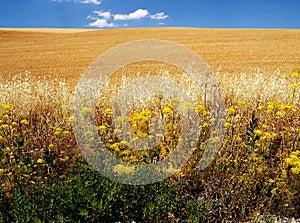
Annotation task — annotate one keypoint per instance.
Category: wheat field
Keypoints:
(67, 53)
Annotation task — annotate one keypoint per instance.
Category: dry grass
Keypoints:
(67, 54)
(254, 164)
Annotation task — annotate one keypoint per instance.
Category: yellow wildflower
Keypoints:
(123, 143)
(17, 134)
(231, 111)
(141, 134)
(239, 139)
(294, 161)
(260, 107)
(286, 106)
(284, 174)
(108, 111)
(24, 122)
(271, 181)
(258, 132)
(295, 85)
(145, 113)
(272, 105)
(200, 108)
(66, 132)
(163, 151)
(58, 131)
(14, 124)
(71, 118)
(4, 126)
(295, 170)
(268, 136)
(205, 125)
(6, 107)
(279, 113)
(40, 161)
(171, 126)
(294, 74)
(101, 127)
(115, 147)
(273, 191)
(227, 125)
(125, 152)
(167, 110)
(65, 159)
(2, 171)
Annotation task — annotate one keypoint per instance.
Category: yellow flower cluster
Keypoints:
(107, 111)
(24, 121)
(201, 109)
(71, 118)
(140, 122)
(267, 136)
(101, 127)
(294, 161)
(272, 105)
(231, 111)
(116, 147)
(167, 110)
(60, 131)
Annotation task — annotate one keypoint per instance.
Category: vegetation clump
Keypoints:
(44, 177)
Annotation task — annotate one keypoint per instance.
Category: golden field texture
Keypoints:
(67, 53)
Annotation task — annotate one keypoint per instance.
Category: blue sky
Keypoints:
(150, 13)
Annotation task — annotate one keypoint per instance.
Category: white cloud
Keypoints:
(101, 23)
(159, 16)
(138, 14)
(91, 17)
(95, 2)
(104, 15)
(102, 19)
